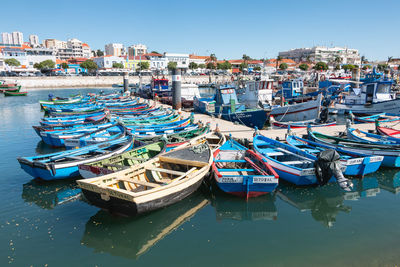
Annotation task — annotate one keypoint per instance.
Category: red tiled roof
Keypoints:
(198, 57)
(153, 55)
(85, 44)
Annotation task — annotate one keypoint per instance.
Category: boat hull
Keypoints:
(390, 106)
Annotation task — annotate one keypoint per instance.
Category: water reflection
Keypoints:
(389, 180)
(42, 148)
(366, 187)
(49, 195)
(132, 237)
(324, 202)
(235, 208)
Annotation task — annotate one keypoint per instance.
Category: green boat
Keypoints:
(7, 93)
(77, 99)
(10, 89)
(122, 161)
(133, 122)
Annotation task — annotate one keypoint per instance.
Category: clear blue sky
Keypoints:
(227, 28)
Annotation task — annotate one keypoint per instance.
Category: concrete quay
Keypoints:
(241, 131)
(101, 81)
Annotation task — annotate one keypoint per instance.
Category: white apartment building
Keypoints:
(157, 61)
(324, 54)
(18, 38)
(107, 62)
(28, 56)
(182, 60)
(114, 49)
(34, 40)
(6, 38)
(73, 48)
(137, 50)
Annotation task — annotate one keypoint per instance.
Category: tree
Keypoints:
(283, 66)
(220, 66)
(383, 67)
(243, 66)
(172, 65)
(202, 66)
(321, 66)
(257, 68)
(349, 67)
(89, 65)
(365, 67)
(303, 67)
(155, 52)
(45, 65)
(278, 58)
(117, 65)
(210, 66)
(246, 57)
(193, 65)
(99, 53)
(64, 65)
(144, 65)
(227, 65)
(12, 62)
(337, 67)
(338, 60)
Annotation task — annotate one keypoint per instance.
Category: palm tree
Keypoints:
(211, 59)
(278, 58)
(389, 59)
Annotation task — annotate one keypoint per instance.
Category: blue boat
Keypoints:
(242, 172)
(56, 138)
(291, 164)
(68, 119)
(116, 131)
(370, 138)
(391, 154)
(225, 105)
(356, 164)
(381, 117)
(62, 165)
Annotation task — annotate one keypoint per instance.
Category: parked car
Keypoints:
(38, 74)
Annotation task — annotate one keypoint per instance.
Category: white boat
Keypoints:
(256, 94)
(298, 112)
(373, 97)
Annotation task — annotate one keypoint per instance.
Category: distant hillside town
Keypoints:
(76, 57)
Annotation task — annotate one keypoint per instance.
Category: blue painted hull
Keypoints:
(241, 188)
(48, 175)
(254, 118)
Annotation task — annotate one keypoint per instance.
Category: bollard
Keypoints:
(176, 89)
(126, 82)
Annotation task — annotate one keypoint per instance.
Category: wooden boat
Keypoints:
(63, 101)
(65, 120)
(150, 121)
(390, 153)
(386, 131)
(356, 164)
(77, 113)
(152, 185)
(292, 165)
(370, 138)
(381, 117)
(301, 124)
(106, 134)
(146, 135)
(10, 93)
(226, 106)
(309, 110)
(242, 172)
(10, 89)
(122, 161)
(64, 164)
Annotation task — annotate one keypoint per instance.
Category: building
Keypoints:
(251, 64)
(6, 38)
(340, 55)
(73, 48)
(182, 60)
(290, 62)
(106, 62)
(113, 49)
(34, 40)
(137, 50)
(132, 62)
(26, 55)
(157, 61)
(198, 59)
(18, 38)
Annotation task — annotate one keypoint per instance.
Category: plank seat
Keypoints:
(236, 170)
(230, 160)
(134, 181)
(294, 162)
(178, 173)
(114, 165)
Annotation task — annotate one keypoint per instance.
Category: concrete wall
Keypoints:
(101, 81)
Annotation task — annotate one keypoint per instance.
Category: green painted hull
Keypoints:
(122, 161)
(133, 122)
(15, 93)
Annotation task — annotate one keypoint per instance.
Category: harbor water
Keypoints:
(50, 224)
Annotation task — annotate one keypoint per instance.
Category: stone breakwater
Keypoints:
(101, 81)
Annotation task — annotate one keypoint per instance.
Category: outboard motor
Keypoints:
(323, 116)
(328, 164)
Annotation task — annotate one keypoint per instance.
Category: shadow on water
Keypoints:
(236, 208)
(133, 237)
(390, 180)
(43, 148)
(48, 195)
